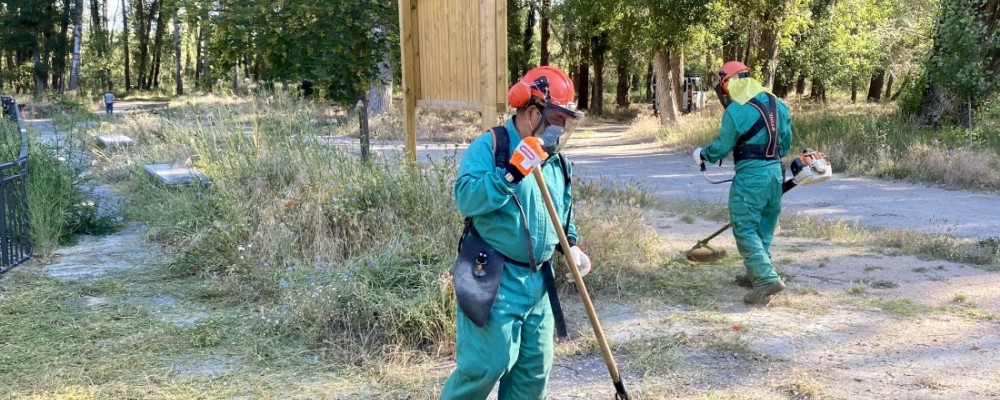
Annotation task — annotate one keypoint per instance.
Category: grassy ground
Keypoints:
(297, 275)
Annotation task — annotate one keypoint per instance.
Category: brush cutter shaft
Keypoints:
(712, 236)
(704, 173)
(609, 359)
(785, 187)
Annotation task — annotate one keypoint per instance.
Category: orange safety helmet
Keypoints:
(555, 88)
(729, 70)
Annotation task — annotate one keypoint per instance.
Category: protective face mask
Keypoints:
(550, 138)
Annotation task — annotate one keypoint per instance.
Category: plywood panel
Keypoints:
(454, 57)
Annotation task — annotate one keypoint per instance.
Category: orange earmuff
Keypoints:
(519, 95)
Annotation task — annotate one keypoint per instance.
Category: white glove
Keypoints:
(697, 156)
(581, 260)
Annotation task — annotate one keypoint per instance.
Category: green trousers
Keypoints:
(514, 347)
(754, 206)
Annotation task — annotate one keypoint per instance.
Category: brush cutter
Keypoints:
(609, 359)
(809, 168)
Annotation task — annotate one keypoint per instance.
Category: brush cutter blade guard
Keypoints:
(705, 253)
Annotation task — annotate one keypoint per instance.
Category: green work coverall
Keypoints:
(755, 195)
(515, 345)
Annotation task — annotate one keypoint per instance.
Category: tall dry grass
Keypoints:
(351, 257)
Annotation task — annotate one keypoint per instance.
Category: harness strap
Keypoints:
(769, 121)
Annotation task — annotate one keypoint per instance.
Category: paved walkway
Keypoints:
(870, 202)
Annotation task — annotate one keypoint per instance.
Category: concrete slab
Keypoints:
(177, 175)
(111, 140)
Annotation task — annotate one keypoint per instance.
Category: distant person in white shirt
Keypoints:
(109, 103)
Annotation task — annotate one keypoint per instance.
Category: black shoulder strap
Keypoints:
(769, 120)
(501, 146)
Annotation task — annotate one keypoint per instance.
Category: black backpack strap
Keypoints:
(501, 146)
(768, 120)
(501, 156)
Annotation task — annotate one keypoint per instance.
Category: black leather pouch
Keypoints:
(476, 274)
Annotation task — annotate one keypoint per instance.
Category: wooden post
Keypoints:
(500, 49)
(488, 60)
(411, 80)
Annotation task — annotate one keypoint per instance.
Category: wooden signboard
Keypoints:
(454, 57)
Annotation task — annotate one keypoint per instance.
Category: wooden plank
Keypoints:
(411, 79)
(450, 105)
(426, 42)
(488, 63)
(503, 81)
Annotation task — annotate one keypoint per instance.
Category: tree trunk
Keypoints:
(875, 88)
(529, 32)
(128, 76)
(902, 86)
(74, 69)
(145, 24)
(62, 44)
(888, 86)
(769, 41)
(599, 51)
(380, 92)
(677, 75)
(154, 76)
(142, 33)
(665, 84)
(206, 62)
(730, 46)
(800, 84)
(649, 82)
(97, 36)
(583, 78)
(934, 106)
(177, 57)
(781, 85)
(769, 57)
(624, 82)
(236, 78)
(750, 53)
(363, 131)
(854, 90)
(543, 44)
(39, 69)
(818, 90)
(198, 62)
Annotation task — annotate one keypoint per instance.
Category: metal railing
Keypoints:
(15, 232)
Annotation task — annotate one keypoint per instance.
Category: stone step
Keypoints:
(110, 140)
(177, 175)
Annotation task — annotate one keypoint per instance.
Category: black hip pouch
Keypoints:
(476, 274)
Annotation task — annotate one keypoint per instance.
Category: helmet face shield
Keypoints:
(562, 121)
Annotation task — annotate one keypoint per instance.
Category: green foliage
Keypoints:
(57, 206)
(967, 50)
(334, 44)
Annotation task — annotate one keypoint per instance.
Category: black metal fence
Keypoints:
(15, 235)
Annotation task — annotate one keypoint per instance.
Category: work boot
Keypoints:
(761, 295)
